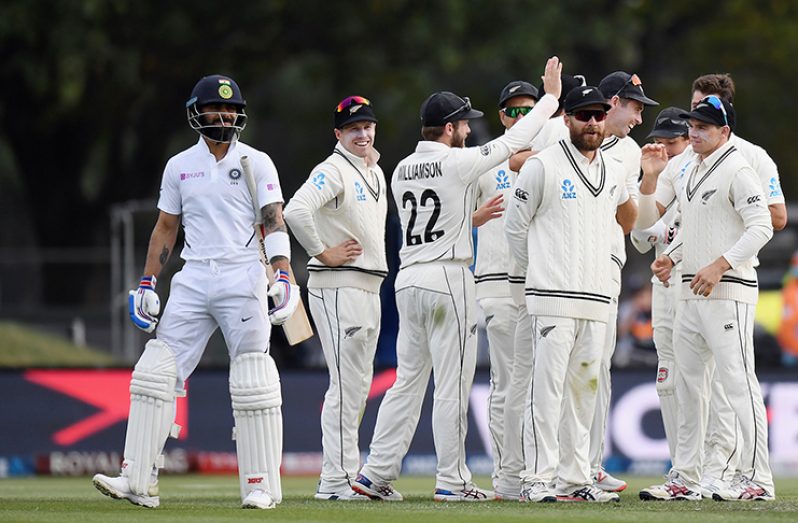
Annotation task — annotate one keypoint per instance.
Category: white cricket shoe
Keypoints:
(590, 494)
(119, 488)
(673, 489)
(743, 490)
(345, 494)
(382, 491)
(537, 493)
(504, 495)
(607, 482)
(710, 487)
(258, 499)
(470, 493)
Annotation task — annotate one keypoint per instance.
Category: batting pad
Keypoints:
(256, 398)
(152, 412)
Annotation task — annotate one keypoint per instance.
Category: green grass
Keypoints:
(197, 499)
(24, 347)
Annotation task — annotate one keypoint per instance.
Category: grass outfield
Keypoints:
(196, 499)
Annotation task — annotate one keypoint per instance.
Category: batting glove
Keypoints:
(144, 305)
(285, 296)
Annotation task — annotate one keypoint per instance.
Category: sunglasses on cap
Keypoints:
(350, 101)
(515, 112)
(464, 108)
(633, 80)
(715, 102)
(585, 116)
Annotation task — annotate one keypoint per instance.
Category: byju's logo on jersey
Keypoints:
(318, 180)
(502, 180)
(775, 187)
(568, 190)
(360, 193)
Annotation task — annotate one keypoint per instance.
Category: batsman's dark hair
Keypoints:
(720, 84)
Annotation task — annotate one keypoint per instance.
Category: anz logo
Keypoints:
(502, 180)
(360, 193)
(775, 187)
(568, 190)
(318, 180)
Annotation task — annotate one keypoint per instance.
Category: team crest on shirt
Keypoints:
(568, 190)
(234, 175)
(318, 180)
(612, 191)
(485, 150)
(360, 193)
(502, 180)
(707, 195)
(775, 187)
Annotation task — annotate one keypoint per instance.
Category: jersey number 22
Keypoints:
(430, 235)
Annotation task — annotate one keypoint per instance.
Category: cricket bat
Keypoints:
(297, 328)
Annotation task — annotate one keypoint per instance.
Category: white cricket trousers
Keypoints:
(663, 313)
(598, 427)
(437, 333)
(721, 331)
(347, 320)
(208, 294)
(562, 395)
(508, 477)
(501, 319)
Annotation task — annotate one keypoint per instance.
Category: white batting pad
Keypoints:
(256, 398)
(152, 411)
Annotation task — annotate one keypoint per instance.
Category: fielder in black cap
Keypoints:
(353, 109)
(625, 92)
(670, 130)
(444, 107)
(712, 110)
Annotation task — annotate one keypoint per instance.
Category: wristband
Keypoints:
(277, 244)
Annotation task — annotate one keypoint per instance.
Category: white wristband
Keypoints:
(277, 244)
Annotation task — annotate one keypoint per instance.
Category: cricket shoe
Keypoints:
(119, 488)
(590, 494)
(710, 487)
(345, 494)
(538, 493)
(608, 483)
(470, 493)
(503, 495)
(384, 491)
(743, 490)
(672, 490)
(258, 499)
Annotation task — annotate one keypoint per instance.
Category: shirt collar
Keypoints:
(720, 151)
(430, 145)
(581, 159)
(203, 145)
(369, 161)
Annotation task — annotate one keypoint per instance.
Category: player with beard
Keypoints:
(434, 190)
(566, 203)
(624, 92)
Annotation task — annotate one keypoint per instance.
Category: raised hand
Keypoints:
(552, 82)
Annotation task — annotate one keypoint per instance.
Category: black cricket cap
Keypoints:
(625, 85)
(584, 97)
(669, 124)
(712, 110)
(443, 107)
(517, 88)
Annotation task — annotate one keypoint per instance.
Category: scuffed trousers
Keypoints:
(562, 395)
(437, 333)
